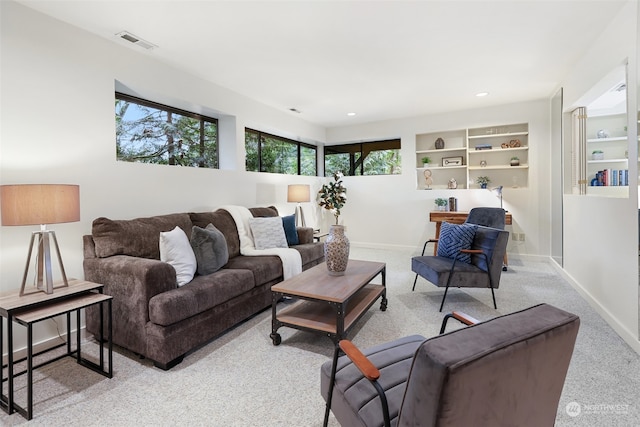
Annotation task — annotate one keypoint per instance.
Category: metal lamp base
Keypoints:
(44, 281)
(300, 217)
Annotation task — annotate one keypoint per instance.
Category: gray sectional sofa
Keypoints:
(151, 315)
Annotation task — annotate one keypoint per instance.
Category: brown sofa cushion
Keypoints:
(265, 268)
(138, 237)
(201, 294)
(310, 252)
(264, 212)
(223, 221)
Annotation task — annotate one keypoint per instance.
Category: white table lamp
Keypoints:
(299, 193)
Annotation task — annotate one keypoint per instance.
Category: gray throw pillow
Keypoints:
(210, 248)
(268, 233)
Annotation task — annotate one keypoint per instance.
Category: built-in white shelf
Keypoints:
(460, 146)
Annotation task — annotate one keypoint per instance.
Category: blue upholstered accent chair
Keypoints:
(488, 217)
(487, 253)
(508, 371)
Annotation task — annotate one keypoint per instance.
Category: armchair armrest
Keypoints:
(368, 370)
(426, 243)
(363, 364)
(472, 251)
(460, 317)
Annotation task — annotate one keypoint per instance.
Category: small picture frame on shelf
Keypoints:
(451, 161)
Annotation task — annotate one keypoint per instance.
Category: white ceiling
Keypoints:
(379, 59)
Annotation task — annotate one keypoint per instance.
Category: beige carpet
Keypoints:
(241, 379)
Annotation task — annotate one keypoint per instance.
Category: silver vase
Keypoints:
(336, 250)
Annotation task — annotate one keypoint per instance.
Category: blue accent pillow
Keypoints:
(289, 224)
(455, 237)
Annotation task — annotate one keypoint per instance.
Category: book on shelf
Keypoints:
(611, 178)
(484, 147)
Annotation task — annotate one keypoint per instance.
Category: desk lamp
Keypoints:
(299, 193)
(31, 204)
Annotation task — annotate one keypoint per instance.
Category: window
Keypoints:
(147, 132)
(275, 154)
(368, 158)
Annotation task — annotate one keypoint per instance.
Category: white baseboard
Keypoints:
(44, 345)
(630, 337)
(368, 245)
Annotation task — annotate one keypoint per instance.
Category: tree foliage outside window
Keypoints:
(147, 132)
(275, 154)
(368, 158)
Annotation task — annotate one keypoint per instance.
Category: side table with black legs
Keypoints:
(35, 307)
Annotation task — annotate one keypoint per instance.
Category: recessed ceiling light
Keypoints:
(481, 94)
(351, 114)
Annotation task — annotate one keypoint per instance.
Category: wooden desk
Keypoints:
(457, 218)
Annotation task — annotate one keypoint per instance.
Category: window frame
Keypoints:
(174, 110)
(260, 135)
(358, 148)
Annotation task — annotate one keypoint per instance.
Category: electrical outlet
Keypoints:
(514, 237)
(522, 237)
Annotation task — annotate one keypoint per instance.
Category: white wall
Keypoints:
(389, 210)
(601, 233)
(57, 120)
(58, 126)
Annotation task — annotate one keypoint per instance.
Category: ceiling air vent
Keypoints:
(125, 35)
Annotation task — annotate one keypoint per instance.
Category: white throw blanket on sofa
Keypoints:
(291, 259)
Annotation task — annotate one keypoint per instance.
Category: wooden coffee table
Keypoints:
(329, 305)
